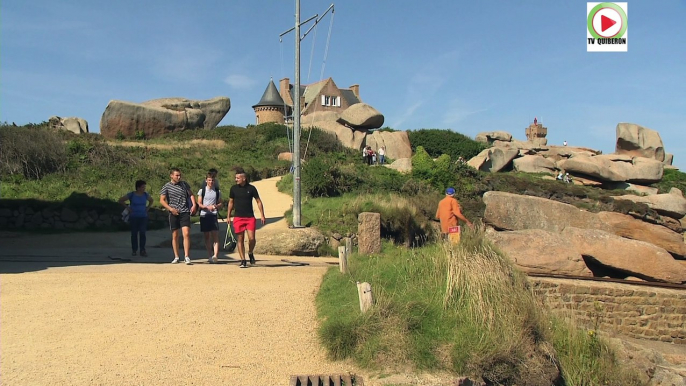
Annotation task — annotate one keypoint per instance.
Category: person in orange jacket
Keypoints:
(449, 212)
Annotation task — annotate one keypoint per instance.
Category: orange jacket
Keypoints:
(448, 209)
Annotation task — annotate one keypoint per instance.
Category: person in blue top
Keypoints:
(139, 203)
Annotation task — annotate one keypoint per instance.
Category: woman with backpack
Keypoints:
(138, 206)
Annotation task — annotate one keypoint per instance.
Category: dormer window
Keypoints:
(331, 101)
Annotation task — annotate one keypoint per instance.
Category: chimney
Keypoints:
(284, 90)
(356, 90)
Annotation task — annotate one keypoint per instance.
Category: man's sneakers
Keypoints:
(252, 258)
(244, 264)
(212, 260)
(186, 259)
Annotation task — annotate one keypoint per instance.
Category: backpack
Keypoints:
(202, 194)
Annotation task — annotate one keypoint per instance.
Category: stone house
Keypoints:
(277, 105)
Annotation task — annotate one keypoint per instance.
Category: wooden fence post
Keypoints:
(342, 259)
(364, 293)
(348, 246)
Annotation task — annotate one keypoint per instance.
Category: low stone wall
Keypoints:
(18, 215)
(630, 310)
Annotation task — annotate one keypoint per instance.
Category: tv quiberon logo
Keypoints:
(607, 27)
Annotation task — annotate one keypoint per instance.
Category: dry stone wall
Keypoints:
(635, 311)
(33, 215)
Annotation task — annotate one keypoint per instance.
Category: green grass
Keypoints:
(462, 309)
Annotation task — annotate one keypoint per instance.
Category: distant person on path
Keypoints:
(564, 143)
(449, 212)
(370, 156)
(138, 206)
(176, 196)
(209, 199)
(382, 155)
(240, 198)
(560, 176)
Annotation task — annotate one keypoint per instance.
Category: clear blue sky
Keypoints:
(466, 66)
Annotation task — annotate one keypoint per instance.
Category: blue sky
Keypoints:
(464, 66)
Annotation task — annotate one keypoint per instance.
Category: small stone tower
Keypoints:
(271, 108)
(536, 133)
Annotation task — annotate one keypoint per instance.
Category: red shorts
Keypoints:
(241, 224)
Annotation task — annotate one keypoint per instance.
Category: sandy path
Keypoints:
(71, 316)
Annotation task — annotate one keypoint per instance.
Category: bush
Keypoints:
(321, 177)
(672, 179)
(422, 165)
(436, 142)
(31, 152)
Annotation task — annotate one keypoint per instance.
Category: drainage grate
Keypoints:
(326, 380)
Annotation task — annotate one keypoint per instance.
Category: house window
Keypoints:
(331, 100)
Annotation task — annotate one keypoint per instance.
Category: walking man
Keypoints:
(209, 199)
(177, 198)
(449, 212)
(240, 198)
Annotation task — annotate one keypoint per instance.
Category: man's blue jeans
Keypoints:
(138, 227)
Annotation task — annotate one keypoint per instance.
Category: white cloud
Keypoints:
(456, 111)
(239, 81)
(407, 114)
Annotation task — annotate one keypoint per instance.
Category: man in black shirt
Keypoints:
(240, 198)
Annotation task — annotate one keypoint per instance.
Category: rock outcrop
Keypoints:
(351, 128)
(74, 124)
(552, 252)
(397, 143)
(640, 158)
(616, 241)
(291, 242)
(672, 204)
(361, 116)
(638, 141)
(613, 168)
(645, 260)
(160, 116)
(533, 164)
(403, 165)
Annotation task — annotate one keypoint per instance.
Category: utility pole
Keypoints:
(296, 110)
(296, 124)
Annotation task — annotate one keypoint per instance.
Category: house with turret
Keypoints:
(277, 105)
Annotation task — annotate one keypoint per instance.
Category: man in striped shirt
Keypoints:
(177, 198)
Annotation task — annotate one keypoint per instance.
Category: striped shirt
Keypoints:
(177, 196)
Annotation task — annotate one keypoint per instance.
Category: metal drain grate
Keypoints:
(326, 380)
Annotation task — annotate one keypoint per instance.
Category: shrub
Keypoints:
(422, 165)
(317, 142)
(672, 179)
(321, 177)
(31, 152)
(437, 142)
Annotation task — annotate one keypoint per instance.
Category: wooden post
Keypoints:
(342, 260)
(348, 246)
(364, 293)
